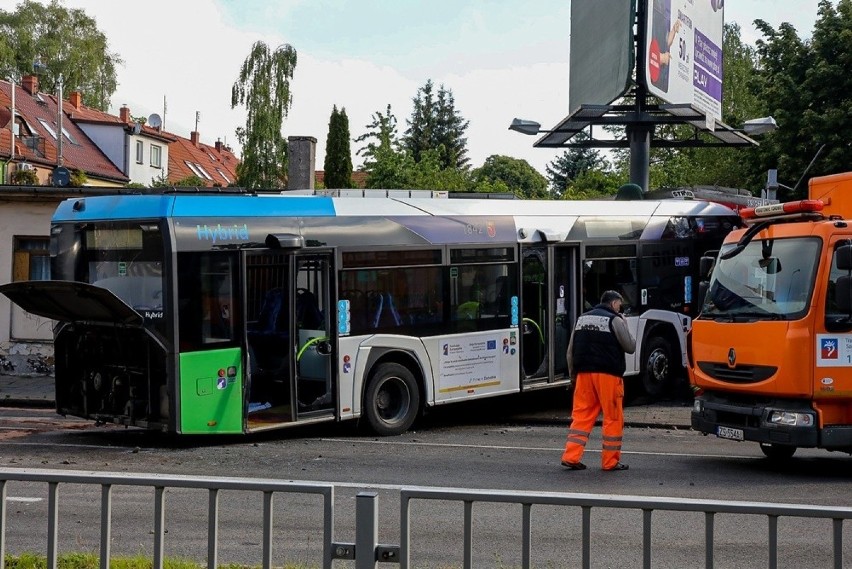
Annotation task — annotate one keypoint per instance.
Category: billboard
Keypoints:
(602, 51)
(683, 53)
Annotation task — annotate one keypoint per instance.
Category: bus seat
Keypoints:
(270, 320)
(308, 314)
(384, 311)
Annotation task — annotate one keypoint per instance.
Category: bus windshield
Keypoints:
(770, 279)
(124, 258)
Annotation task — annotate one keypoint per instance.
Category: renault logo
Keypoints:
(732, 357)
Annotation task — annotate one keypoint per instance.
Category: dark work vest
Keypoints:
(596, 349)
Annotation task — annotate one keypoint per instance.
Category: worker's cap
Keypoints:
(610, 295)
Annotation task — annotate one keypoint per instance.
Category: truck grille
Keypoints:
(738, 374)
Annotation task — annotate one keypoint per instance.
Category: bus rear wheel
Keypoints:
(392, 399)
(777, 452)
(657, 367)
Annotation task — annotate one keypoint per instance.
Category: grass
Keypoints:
(92, 561)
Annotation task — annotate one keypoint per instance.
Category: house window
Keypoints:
(221, 173)
(31, 261)
(203, 171)
(47, 127)
(194, 168)
(156, 156)
(139, 151)
(68, 136)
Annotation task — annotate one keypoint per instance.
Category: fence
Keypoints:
(366, 552)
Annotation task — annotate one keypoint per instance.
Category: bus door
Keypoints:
(287, 323)
(314, 364)
(550, 297)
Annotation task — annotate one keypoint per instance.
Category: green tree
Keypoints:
(593, 185)
(263, 87)
(806, 86)
(437, 125)
(66, 42)
(338, 156)
(381, 136)
(573, 162)
(516, 174)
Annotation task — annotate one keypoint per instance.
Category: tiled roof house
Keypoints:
(37, 120)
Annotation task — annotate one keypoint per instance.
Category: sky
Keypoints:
(500, 58)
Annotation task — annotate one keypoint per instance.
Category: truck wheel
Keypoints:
(392, 399)
(657, 367)
(777, 452)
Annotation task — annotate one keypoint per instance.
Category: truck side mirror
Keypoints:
(843, 294)
(843, 256)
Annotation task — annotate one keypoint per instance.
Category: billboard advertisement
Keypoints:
(602, 51)
(683, 53)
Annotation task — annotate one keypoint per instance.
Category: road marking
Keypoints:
(535, 449)
(22, 499)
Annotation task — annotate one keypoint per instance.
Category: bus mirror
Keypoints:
(705, 267)
(843, 254)
(284, 241)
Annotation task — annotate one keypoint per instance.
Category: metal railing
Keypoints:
(366, 551)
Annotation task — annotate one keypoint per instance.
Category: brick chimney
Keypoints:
(30, 84)
(193, 137)
(124, 113)
(76, 99)
(302, 162)
(219, 145)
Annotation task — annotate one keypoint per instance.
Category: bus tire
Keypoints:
(777, 452)
(657, 368)
(392, 399)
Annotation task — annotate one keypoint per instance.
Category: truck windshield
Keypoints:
(770, 279)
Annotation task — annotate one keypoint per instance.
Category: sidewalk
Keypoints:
(26, 391)
(37, 391)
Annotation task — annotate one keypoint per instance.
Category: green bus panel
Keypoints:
(211, 392)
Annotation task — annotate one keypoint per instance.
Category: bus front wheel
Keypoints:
(392, 400)
(657, 367)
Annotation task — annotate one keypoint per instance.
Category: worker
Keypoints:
(596, 364)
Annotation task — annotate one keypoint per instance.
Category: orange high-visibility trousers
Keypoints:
(593, 393)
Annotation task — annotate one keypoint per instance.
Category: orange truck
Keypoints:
(770, 354)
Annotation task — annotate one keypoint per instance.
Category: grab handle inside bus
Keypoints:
(323, 346)
(529, 324)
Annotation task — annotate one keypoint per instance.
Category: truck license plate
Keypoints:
(729, 433)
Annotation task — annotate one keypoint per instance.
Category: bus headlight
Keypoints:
(791, 419)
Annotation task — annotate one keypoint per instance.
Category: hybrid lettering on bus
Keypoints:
(235, 313)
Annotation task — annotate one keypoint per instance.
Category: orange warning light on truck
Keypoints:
(770, 354)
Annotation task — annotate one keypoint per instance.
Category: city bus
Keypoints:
(242, 312)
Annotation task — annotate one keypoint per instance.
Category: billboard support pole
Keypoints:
(638, 132)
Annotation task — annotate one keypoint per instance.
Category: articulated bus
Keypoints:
(237, 313)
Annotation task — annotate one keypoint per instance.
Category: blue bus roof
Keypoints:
(128, 207)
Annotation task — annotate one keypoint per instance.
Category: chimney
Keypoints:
(124, 114)
(193, 137)
(76, 99)
(30, 84)
(219, 145)
(302, 162)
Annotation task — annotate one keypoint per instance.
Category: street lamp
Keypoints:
(526, 127)
(762, 125)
